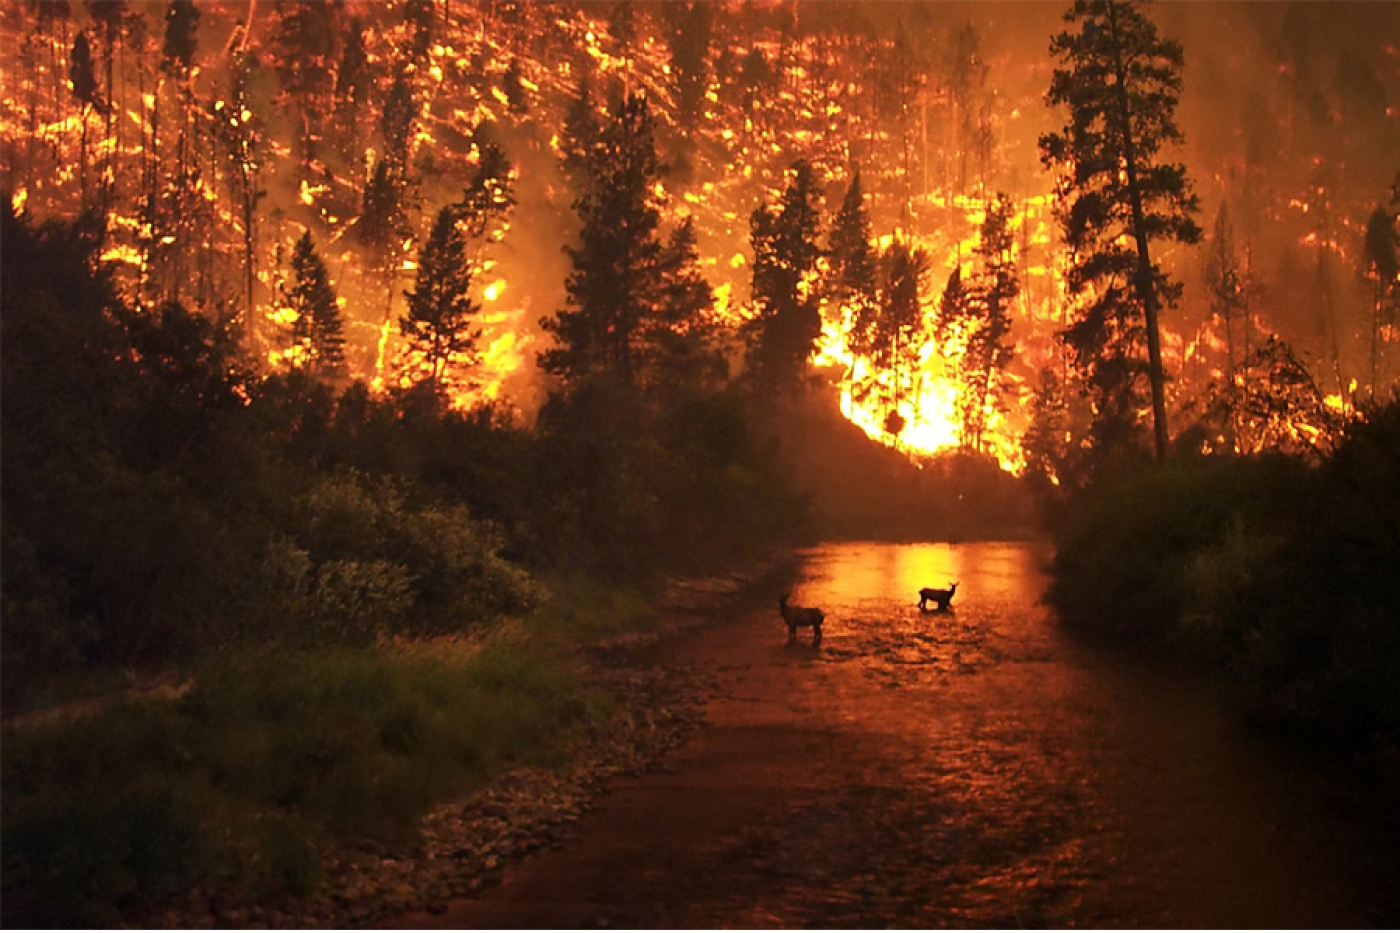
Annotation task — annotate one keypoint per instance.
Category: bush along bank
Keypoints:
(1280, 572)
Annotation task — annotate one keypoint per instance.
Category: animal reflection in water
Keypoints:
(941, 599)
(798, 617)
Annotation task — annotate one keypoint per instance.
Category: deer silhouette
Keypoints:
(799, 617)
(941, 599)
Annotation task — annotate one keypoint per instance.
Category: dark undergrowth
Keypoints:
(1281, 573)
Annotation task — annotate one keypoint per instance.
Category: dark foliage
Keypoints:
(1120, 82)
(163, 503)
(787, 322)
(1280, 572)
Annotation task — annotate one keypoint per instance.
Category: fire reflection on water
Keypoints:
(985, 769)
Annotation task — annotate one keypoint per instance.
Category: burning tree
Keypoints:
(1280, 407)
(236, 128)
(319, 344)
(897, 333)
(438, 324)
(977, 318)
(1120, 82)
(83, 78)
(1229, 286)
(851, 283)
(681, 356)
(1383, 272)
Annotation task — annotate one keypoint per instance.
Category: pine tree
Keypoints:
(1120, 82)
(1228, 285)
(181, 37)
(486, 198)
(317, 325)
(83, 78)
(381, 222)
(682, 358)
(172, 203)
(615, 280)
(421, 16)
(580, 136)
(353, 82)
(438, 323)
(690, 47)
(974, 320)
(851, 259)
(787, 322)
(306, 41)
(965, 74)
(381, 212)
(108, 15)
(396, 122)
(896, 339)
(513, 85)
(1046, 441)
(1383, 271)
(237, 128)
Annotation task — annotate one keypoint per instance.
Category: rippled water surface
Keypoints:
(969, 768)
(1002, 775)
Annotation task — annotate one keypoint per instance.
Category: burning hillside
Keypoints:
(203, 140)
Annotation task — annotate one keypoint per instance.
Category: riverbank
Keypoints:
(326, 797)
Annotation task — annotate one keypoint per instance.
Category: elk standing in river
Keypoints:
(800, 617)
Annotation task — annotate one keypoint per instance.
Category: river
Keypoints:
(970, 768)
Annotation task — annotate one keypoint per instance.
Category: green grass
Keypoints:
(583, 608)
(272, 755)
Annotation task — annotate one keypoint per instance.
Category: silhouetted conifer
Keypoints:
(1383, 271)
(318, 324)
(438, 324)
(896, 342)
(681, 353)
(181, 37)
(615, 281)
(787, 322)
(1120, 82)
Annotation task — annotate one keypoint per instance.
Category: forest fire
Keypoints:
(290, 143)
(369, 366)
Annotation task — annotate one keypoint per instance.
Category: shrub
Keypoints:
(1216, 615)
(1122, 561)
(356, 601)
(365, 562)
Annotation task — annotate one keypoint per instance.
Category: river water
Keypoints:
(970, 768)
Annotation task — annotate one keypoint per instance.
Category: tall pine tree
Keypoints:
(896, 339)
(317, 326)
(977, 315)
(851, 260)
(787, 320)
(615, 281)
(438, 323)
(1383, 272)
(1120, 82)
(682, 358)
